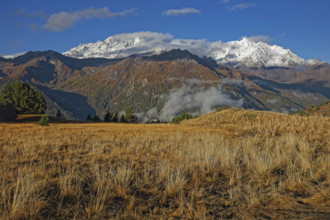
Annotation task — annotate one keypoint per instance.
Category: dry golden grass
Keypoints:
(229, 164)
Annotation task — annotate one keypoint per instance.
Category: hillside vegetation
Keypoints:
(323, 109)
(228, 164)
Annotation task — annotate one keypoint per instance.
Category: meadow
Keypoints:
(229, 164)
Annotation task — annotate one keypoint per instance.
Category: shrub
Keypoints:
(44, 121)
(222, 108)
(181, 117)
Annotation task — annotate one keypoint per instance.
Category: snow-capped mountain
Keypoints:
(246, 52)
(250, 53)
(12, 56)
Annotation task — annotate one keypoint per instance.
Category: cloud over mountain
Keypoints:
(196, 99)
(191, 97)
(260, 38)
(249, 51)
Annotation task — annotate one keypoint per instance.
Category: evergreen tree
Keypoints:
(122, 119)
(58, 113)
(23, 98)
(114, 117)
(107, 117)
(89, 117)
(96, 118)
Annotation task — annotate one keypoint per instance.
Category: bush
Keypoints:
(44, 121)
(181, 117)
(222, 108)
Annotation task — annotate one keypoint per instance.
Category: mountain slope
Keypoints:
(246, 52)
(158, 86)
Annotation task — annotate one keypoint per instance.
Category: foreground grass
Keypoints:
(229, 164)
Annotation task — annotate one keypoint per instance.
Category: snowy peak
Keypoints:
(250, 53)
(246, 52)
(121, 45)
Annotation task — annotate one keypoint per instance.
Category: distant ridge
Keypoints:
(180, 54)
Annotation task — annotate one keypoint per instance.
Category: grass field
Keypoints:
(228, 164)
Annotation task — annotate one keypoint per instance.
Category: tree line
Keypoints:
(127, 117)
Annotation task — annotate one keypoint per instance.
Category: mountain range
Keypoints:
(160, 82)
(247, 52)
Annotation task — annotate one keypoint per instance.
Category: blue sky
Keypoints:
(300, 25)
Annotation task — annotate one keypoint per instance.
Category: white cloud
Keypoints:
(260, 38)
(63, 20)
(272, 101)
(196, 99)
(192, 97)
(313, 61)
(183, 11)
(234, 81)
(241, 6)
(225, 1)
